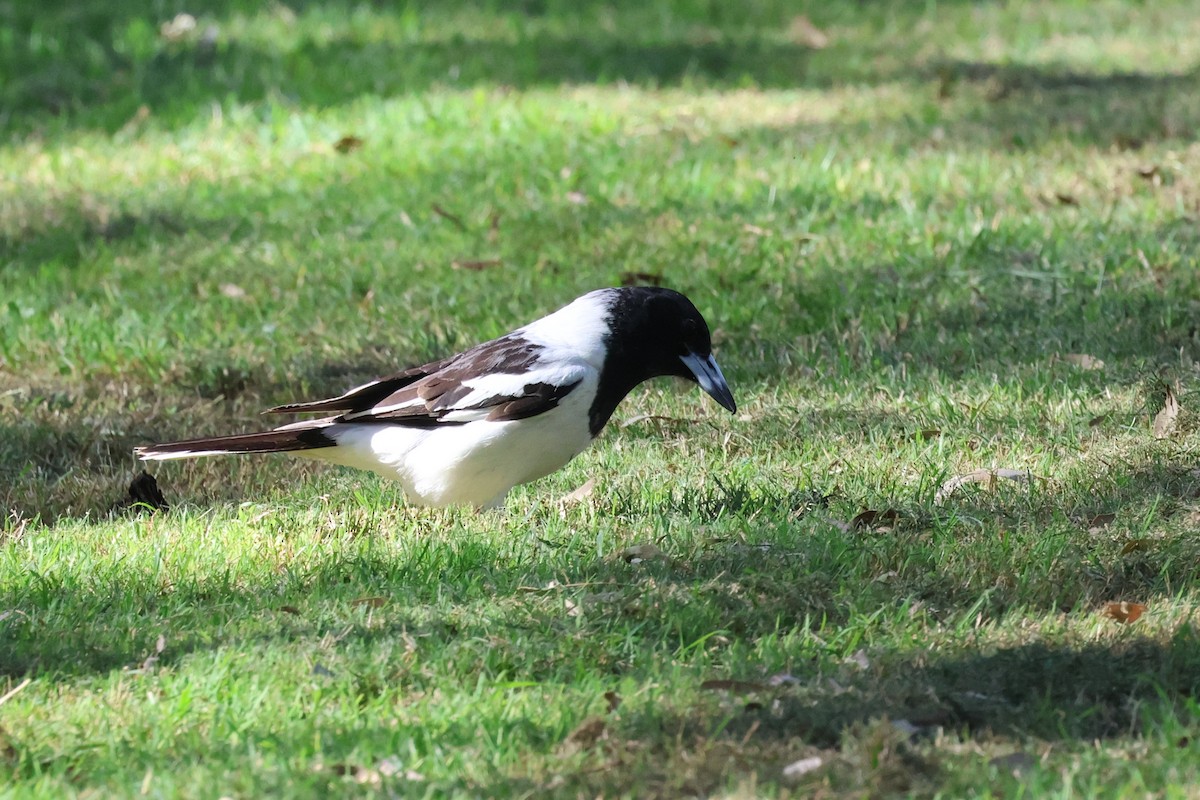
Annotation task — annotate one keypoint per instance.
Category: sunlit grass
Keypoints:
(906, 238)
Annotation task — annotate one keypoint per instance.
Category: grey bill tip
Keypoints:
(709, 376)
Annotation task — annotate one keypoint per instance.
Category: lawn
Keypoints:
(932, 238)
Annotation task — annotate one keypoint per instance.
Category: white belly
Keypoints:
(476, 463)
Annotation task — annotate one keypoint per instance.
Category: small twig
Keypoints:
(13, 692)
(444, 214)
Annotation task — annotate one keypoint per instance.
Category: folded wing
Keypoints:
(504, 379)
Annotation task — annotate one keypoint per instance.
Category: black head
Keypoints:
(656, 332)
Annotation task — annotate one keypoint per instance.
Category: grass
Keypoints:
(906, 235)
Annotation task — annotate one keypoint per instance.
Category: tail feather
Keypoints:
(284, 440)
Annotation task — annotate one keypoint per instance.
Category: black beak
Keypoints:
(709, 376)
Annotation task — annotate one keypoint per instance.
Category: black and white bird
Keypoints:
(467, 429)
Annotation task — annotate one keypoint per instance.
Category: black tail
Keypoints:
(283, 440)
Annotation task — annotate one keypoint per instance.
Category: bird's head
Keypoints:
(663, 332)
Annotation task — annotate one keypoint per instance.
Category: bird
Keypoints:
(465, 430)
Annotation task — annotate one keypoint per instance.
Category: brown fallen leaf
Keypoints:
(369, 602)
(729, 685)
(1168, 415)
(1123, 612)
(1083, 361)
(988, 476)
(637, 553)
(347, 144)
(1136, 546)
(641, 279)
(875, 520)
(478, 265)
(581, 493)
(590, 731)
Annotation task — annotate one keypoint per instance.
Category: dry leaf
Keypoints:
(641, 552)
(1083, 361)
(641, 279)
(369, 602)
(988, 476)
(1123, 611)
(803, 766)
(727, 685)
(1165, 419)
(1136, 546)
(588, 733)
(581, 493)
(802, 31)
(478, 265)
(875, 520)
(347, 144)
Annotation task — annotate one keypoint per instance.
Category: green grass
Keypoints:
(899, 236)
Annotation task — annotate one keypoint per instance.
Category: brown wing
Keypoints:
(439, 392)
(363, 397)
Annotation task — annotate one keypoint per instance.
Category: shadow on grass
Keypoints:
(66, 625)
(89, 67)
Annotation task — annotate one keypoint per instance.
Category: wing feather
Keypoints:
(503, 379)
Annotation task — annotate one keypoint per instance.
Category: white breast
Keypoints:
(476, 463)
